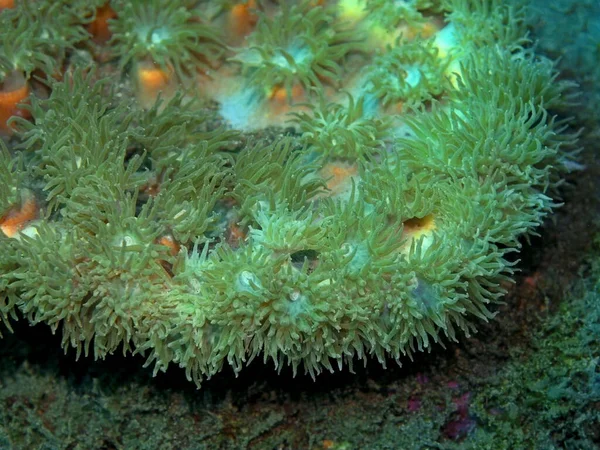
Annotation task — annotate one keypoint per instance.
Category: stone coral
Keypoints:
(134, 248)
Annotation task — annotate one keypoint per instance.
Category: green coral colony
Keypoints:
(200, 232)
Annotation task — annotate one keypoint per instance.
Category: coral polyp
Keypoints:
(38, 35)
(408, 73)
(169, 34)
(301, 45)
(404, 14)
(346, 132)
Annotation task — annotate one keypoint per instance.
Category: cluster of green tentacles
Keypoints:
(414, 251)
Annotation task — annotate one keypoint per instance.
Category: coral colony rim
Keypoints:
(163, 217)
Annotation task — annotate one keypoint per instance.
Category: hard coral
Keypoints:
(364, 236)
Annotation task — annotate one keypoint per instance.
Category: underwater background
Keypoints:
(528, 379)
